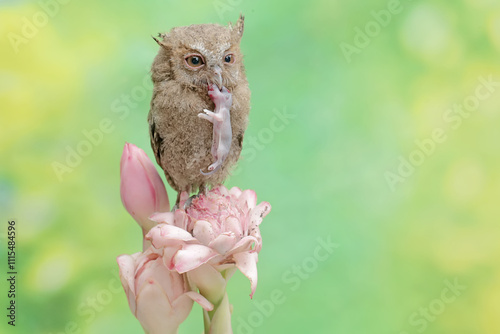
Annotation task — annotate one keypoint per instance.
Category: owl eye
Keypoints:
(194, 61)
(229, 58)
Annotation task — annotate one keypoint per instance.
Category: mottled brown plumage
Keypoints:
(181, 140)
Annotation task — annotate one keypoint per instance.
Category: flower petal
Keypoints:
(126, 263)
(248, 198)
(247, 263)
(209, 281)
(223, 191)
(183, 303)
(256, 234)
(146, 266)
(258, 213)
(169, 254)
(174, 232)
(202, 301)
(164, 235)
(163, 217)
(233, 224)
(154, 310)
(235, 192)
(181, 220)
(191, 257)
(244, 245)
(223, 243)
(203, 231)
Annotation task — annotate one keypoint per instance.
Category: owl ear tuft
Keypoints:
(238, 28)
(161, 42)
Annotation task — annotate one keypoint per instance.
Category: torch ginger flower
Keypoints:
(220, 229)
(217, 233)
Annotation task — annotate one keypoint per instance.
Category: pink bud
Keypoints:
(141, 187)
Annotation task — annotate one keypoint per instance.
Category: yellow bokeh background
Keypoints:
(364, 87)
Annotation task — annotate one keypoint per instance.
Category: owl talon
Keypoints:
(188, 202)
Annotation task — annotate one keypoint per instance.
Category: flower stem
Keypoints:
(218, 321)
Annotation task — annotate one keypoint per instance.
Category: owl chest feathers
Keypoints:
(183, 141)
(175, 111)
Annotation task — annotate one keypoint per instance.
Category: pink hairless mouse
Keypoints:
(220, 118)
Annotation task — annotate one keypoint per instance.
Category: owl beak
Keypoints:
(217, 78)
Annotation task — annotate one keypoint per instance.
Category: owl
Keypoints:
(191, 61)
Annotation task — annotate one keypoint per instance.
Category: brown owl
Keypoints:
(192, 61)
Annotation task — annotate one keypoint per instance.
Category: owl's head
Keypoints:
(201, 54)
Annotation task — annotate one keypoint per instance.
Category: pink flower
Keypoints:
(159, 298)
(220, 229)
(141, 188)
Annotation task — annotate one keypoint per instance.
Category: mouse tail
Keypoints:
(211, 172)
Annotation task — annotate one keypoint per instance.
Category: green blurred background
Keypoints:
(358, 94)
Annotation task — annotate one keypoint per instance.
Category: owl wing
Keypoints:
(239, 140)
(157, 146)
(156, 140)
